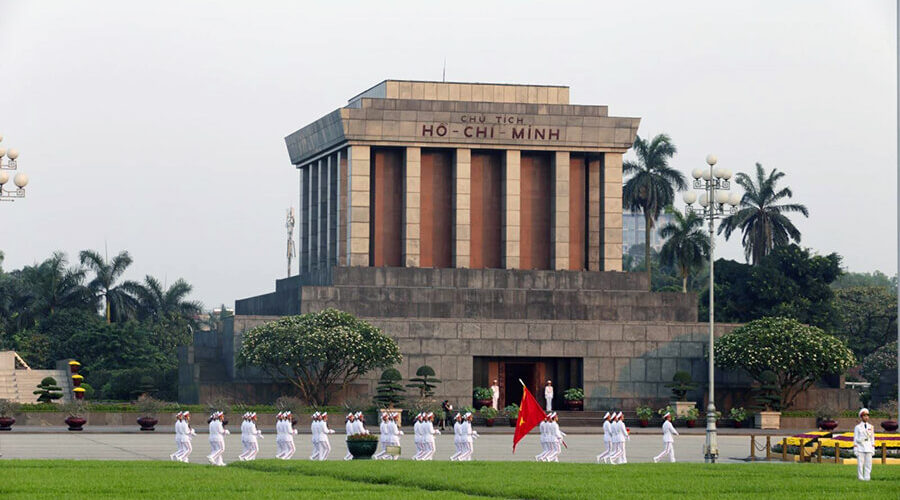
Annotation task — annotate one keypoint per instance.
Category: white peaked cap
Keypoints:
(606, 416)
(324, 413)
(253, 414)
(316, 414)
(359, 414)
(667, 414)
(185, 413)
(457, 415)
(287, 413)
(864, 410)
(468, 414)
(351, 414)
(430, 414)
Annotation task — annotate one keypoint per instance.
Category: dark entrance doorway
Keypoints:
(534, 372)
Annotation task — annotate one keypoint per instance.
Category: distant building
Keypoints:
(633, 230)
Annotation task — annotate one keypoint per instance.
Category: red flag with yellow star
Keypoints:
(530, 415)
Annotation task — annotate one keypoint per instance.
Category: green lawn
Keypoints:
(62, 480)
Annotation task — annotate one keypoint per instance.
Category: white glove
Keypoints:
(437, 432)
(401, 433)
(227, 431)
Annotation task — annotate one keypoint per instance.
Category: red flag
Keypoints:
(530, 415)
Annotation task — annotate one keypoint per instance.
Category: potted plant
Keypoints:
(7, 408)
(47, 391)
(488, 413)
(825, 418)
(482, 397)
(512, 411)
(691, 416)
(680, 385)
(424, 381)
(574, 398)
(148, 407)
(76, 411)
(768, 400)
(362, 446)
(738, 414)
(644, 413)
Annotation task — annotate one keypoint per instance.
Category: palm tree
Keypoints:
(761, 218)
(686, 245)
(155, 301)
(118, 303)
(56, 286)
(652, 184)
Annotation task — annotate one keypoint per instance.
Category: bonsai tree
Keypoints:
(766, 395)
(795, 353)
(321, 353)
(148, 406)
(48, 391)
(389, 390)
(681, 383)
(574, 394)
(145, 387)
(423, 383)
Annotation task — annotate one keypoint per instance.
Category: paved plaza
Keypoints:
(493, 446)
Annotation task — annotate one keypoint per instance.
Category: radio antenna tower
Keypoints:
(291, 250)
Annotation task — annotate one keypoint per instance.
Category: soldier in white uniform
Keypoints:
(623, 439)
(324, 431)
(280, 447)
(669, 433)
(457, 437)
(604, 457)
(545, 442)
(556, 437)
(394, 433)
(430, 432)
(548, 395)
(419, 436)
(617, 439)
(469, 436)
(314, 436)
(217, 433)
(179, 446)
(361, 423)
(864, 446)
(253, 438)
(350, 427)
(289, 433)
(382, 436)
(495, 395)
(245, 436)
(187, 436)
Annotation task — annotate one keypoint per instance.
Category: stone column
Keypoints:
(559, 231)
(511, 208)
(595, 203)
(462, 234)
(412, 205)
(301, 218)
(360, 171)
(612, 212)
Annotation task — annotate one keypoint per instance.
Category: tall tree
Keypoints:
(155, 301)
(118, 303)
(762, 218)
(652, 184)
(686, 246)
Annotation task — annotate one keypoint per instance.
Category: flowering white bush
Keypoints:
(798, 354)
(320, 353)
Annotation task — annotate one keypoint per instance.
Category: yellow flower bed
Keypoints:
(845, 440)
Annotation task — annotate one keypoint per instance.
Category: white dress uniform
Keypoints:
(545, 446)
(430, 432)
(280, 447)
(469, 435)
(457, 439)
(556, 439)
(394, 434)
(617, 439)
(864, 447)
(669, 434)
(217, 433)
(179, 443)
(253, 438)
(324, 443)
(383, 439)
(350, 429)
(245, 438)
(289, 433)
(495, 396)
(548, 396)
(314, 430)
(604, 457)
(418, 437)
(623, 439)
(188, 442)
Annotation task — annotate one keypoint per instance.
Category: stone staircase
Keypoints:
(19, 384)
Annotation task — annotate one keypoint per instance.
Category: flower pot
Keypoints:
(6, 423)
(888, 425)
(512, 421)
(75, 423)
(768, 420)
(828, 425)
(644, 422)
(362, 450)
(489, 422)
(691, 423)
(147, 423)
(575, 404)
(481, 403)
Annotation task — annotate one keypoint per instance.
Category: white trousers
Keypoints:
(459, 451)
(429, 450)
(217, 449)
(467, 450)
(289, 449)
(864, 466)
(184, 453)
(549, 405)
(555, 449)
(667, 450)
(605, 455)
(545, 450)
(420, 450)
(496, 401)
(324, 449)
(618, 453)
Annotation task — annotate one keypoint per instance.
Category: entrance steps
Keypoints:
(580, 418)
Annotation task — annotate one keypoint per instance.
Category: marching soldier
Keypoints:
(382, 436)
(864, 446)
(350, 427)
(217, 433)
(314, 436)
(189, 434)
(469, 435)
(430, 432)
(287, 426)
(548, 395)
(324, 431)
(556, 438)
(179, 445)
(457, 437)
(419, 436)
(604, 457)
(545, 442)
(245, 436)
(669, 432)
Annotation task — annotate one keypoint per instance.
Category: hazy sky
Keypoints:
(158, 127)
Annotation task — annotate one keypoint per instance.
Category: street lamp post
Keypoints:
(20, 180)
(714, 202)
